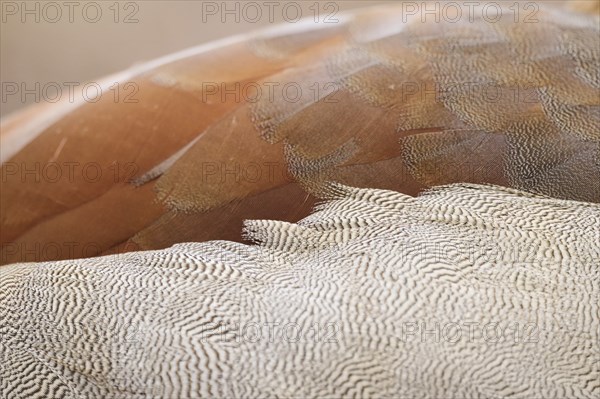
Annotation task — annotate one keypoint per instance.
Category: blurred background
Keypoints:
(58, 42)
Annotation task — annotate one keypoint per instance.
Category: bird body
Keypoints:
(465, 291)
(486, 285)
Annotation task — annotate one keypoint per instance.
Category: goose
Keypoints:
(422, 222)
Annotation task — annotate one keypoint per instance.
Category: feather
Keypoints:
(465, 291)
(214, 138)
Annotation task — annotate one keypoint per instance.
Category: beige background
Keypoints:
(82, 51)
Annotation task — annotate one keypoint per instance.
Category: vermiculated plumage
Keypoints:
(364, 298)
(465, 291)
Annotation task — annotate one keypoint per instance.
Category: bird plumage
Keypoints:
(384, 104)
(465, 291)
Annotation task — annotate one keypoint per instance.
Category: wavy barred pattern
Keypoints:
(388, 100)
(343, 304)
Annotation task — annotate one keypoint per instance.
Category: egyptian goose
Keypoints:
(466, 290)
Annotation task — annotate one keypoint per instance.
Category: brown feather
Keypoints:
(384, 105)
